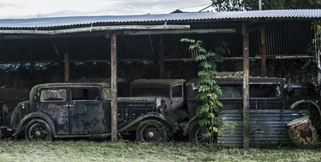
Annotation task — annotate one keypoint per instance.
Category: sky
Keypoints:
(15, 9)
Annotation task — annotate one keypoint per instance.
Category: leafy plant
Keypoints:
(208, 88)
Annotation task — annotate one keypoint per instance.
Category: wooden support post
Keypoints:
(114, 108)
(161, 58)
(246, 105)
(67, 68)
(263, 51)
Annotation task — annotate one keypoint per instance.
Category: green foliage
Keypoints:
(208, 89)
(228, 5)
(241, 5)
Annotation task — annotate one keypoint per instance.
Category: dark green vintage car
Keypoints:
(68, 110)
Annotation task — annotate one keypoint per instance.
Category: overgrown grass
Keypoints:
(85, 150)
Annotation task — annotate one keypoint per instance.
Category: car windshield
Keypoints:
(162, 92)
(255, 91)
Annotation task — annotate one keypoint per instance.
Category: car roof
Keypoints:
(160, 83)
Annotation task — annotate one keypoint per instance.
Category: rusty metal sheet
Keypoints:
(267, 127)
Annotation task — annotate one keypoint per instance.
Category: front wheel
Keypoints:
(38, 130)
(196, 135)
(150, 132)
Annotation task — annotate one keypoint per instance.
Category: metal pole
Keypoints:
(114, 103)
(263, 52)
(246, 105)
(260, 4)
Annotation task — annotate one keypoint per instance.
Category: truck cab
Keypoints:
(171, 90)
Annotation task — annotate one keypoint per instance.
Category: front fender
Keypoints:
(190, 125)
(29, 117)
(148, 116)
(303, 101)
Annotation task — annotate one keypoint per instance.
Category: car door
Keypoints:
(177, 97)
(54, 103)
(86, 111)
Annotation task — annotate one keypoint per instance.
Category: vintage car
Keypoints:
(67, 110)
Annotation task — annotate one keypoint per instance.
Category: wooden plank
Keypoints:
(67, 68)
(114, 103)
(161, 58)
(263, 51)
(246, 101)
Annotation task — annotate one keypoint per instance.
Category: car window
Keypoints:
(231, 91)
(177, 91)
(255, 91)
(55, 95)
(85, 93)
(265, 91)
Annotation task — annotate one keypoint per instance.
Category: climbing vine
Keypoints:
(208, 88)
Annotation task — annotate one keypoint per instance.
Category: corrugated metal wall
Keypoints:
(267, 127)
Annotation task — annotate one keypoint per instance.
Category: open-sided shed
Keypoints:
(273, 34)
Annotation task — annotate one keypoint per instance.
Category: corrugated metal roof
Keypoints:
(87, 20)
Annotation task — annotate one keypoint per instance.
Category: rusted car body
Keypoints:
(66, 110)
(267, 95)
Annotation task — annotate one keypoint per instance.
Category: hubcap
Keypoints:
(38, 133)
(150, 134)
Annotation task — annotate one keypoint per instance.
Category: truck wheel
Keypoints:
(38, 130)
(197, 136)
(150, 132)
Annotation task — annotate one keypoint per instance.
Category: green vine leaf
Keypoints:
(208, 89)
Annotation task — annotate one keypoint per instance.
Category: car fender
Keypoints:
(190, 125)
(35, 115)
(149, 116)
(297, 103)
(303, 101)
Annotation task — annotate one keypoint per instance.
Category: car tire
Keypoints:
(151, 132)
(38, 130)
(197, 136)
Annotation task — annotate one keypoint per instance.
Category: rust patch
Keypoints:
(305, 130)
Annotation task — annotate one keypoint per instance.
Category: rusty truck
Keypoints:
(272, 102)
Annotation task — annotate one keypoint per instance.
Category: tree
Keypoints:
(228, 5)
(241, 5)
(282, 4)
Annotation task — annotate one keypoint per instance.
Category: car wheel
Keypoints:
(38, 130)
(196, 135)
(150, 132)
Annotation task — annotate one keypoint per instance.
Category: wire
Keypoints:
(207, 4)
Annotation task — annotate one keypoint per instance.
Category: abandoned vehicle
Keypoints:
(63, 110)
(272, 105)
(155, 110)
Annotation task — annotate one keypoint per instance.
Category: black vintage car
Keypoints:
(65, 110)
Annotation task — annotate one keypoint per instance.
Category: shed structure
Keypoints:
(270, 34)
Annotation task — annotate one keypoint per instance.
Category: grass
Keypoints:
(86, 150)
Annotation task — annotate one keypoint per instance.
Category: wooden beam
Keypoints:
(191, 31)
(67, 68)
(161, 58)
(246, 105)
(95, 28)
(114, 103)
(263, 51)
